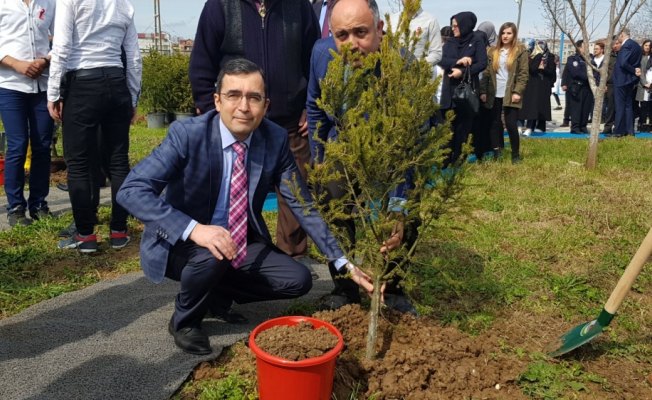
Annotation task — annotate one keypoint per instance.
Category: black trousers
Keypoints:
(481, 132)
(645, 116)
(210, 284)
(462, 125)
(581, 105)
(99, 100)
(511, 123)
(610, 109)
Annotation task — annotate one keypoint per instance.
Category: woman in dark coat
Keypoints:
(464, 49)
(536, 99)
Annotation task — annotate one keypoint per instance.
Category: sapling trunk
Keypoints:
(374, 312)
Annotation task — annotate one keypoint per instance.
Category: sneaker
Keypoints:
(85, 244)
(68, 231)
(119, 239)
(527, 132)
(16, 216)
(40, 212)
(564, 125)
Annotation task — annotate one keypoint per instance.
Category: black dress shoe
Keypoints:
(227, 316)
(191, 340)
(332, 302)
(400, 303)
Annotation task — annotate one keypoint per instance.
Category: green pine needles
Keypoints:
(382, 103)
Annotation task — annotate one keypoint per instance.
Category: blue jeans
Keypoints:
(26, 120)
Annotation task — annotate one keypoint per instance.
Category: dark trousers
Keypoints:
(511, 123)
(533, 124)
(581, 105)
(645, 116)
(610, 109)
(100, 101)
(462, 125)
(26, 121)
(567, 108)
(210, 284)
(481, 132)
(290, 237)
(624, 121)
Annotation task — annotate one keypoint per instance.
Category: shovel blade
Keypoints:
(580, 335)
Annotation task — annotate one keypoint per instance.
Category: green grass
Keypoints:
(546, 238)
(547, 381)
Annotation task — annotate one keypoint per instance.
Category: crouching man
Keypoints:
(207, 231)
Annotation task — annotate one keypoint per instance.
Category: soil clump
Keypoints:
(297, 342)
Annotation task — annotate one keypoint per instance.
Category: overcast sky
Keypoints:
(179, 17)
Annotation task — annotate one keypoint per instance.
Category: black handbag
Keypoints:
(465, 96)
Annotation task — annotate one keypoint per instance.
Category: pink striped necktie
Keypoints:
(238, 204)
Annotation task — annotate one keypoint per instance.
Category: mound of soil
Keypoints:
(297, 342)
(419, 360)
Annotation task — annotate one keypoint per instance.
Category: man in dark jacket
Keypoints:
(608, 115)
(278, 35)
(625, 77)
(466, 49)
(581, 97)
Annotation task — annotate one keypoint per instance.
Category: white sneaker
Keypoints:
(527, 132)
(538, 130)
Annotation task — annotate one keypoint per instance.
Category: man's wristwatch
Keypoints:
(349, 266)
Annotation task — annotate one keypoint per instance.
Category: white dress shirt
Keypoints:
(24, 36)
(90, 34)
(428, 27)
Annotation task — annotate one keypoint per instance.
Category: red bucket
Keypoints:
(2, 171)
(280, 379)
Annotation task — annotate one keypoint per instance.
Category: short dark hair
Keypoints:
(238, 66)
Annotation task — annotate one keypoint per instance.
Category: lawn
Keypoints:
(536, 246)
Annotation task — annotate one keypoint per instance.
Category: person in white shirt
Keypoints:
(24, 47)
(91, 88)
(426, 25)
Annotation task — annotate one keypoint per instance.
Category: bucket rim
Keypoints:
(291, 321)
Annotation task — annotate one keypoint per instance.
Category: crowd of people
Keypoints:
(200, 193)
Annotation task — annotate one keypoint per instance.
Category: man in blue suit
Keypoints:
(355, 23)
(625, 77)
(193, 233)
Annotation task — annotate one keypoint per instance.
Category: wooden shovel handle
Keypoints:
(629, 276)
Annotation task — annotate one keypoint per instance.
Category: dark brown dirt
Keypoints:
(297, 342)
(420, 359)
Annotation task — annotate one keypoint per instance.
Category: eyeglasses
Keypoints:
(253, 99)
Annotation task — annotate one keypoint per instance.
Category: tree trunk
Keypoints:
(592, 154)
(372, 334)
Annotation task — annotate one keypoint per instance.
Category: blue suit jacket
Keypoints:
(188, 166)
(628, 59)
(319, 60)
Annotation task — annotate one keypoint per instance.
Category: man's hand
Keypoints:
(637, 71)
(516, 98)
(361, 278)
(395, 240)
(483, 98)
(455, 73)
(134, 116)
(303, 124)
(56, 110)
(465, 61)
(564, 88)
(216, 239)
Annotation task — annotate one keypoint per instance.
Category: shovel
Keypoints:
(586, 332)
